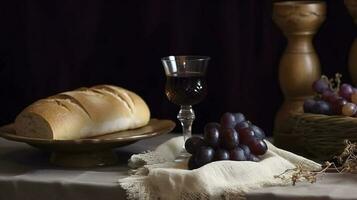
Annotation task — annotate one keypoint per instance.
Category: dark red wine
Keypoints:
(186, 89)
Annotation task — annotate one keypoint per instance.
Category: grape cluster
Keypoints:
(330, 100)
(234, 138)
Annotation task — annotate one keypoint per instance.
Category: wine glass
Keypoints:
(185, 86)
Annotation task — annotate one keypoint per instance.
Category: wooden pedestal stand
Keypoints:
(299, 65)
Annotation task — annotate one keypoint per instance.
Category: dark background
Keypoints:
(51, 46)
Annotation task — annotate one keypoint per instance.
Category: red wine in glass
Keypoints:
(186, 89)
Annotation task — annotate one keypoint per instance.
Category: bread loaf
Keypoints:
(82, 113)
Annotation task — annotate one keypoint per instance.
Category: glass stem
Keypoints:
(186, 117)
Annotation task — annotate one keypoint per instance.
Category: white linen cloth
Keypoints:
(157, 176)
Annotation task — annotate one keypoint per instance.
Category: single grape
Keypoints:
(308, 106)
(258, 147)
(221, 154)
(246, 135)
(258, 132)
(327, 94)
(320, 86)
(346, 91)
(229, 138)
(333, 98)
(228, 120)
(211, 125)
(211, 134)
(322, 107)
(242, 125)
(253, 158)
(245, 149)
(193, 143)
(354, 90)
(337, 105)
(204, 155)
(354, 97)
(349, 109)
(237, 154)
(192, 163)
(239, 117)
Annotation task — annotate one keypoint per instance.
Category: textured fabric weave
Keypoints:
(155, 174)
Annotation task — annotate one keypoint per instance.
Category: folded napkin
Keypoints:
(155, 174)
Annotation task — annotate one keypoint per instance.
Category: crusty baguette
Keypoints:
(82, 113)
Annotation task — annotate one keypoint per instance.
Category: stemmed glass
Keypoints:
(185, 86)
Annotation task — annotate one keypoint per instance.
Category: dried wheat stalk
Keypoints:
(347, 161)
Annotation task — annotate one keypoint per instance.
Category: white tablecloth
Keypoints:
(26, 174)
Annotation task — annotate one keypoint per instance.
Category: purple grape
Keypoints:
(354, 90)
(221, 154)
(192, 163)
(258, 147)
(211, 134)
(204, 155)
(193, 143)
(242, 125)
(332, 98)
(239, 117)
(211, 125)
(327, 94)
(228, 120)
(346, 91)
(245, 149)
(308, 106)
(320, 86)
(237, 154)
(229, 138)
(246, 135)
(337, 105)
(322, 107)
(258, 132)
(253, 158)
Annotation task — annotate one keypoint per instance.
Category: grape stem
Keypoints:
(334, 83)
(338, 77)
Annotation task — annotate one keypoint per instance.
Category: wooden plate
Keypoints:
(94, 151)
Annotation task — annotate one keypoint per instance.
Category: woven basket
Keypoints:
(318, 137)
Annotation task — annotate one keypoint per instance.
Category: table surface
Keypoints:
(26, 174)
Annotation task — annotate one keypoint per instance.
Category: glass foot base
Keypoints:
(183, 156)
